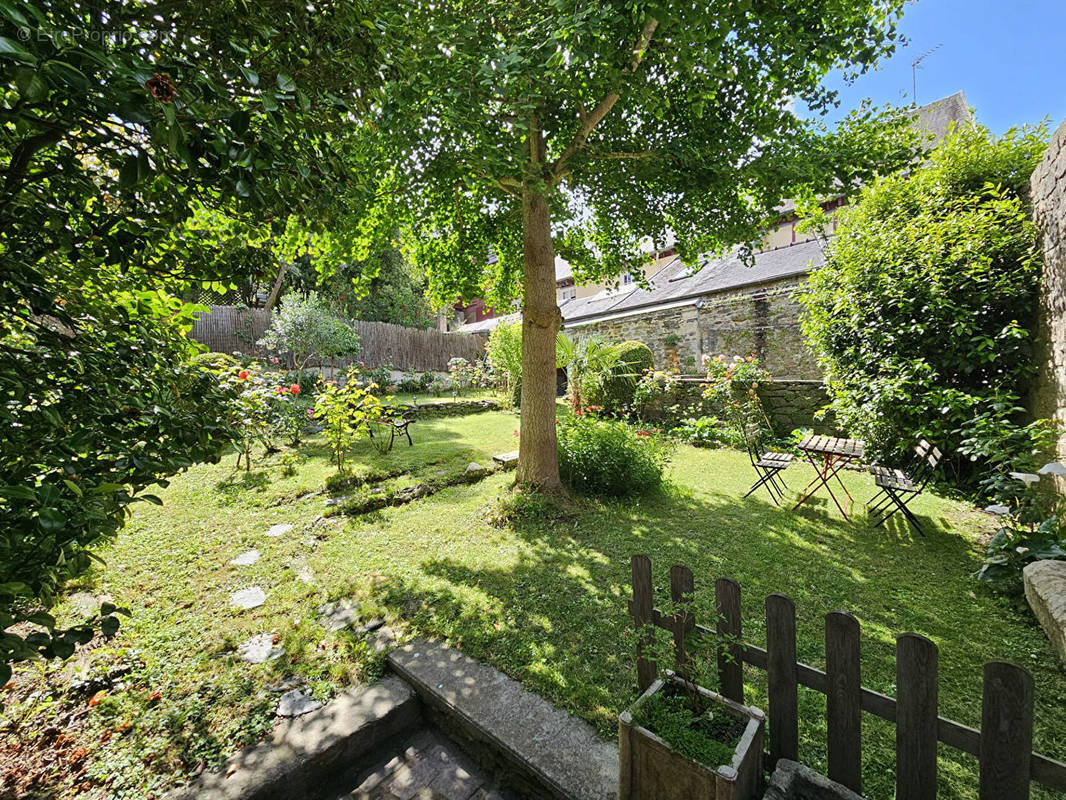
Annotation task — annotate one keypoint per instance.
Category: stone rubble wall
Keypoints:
(1048, 188)
(762, 320)
(790, 404)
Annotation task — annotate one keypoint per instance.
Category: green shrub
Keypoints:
(609, 458)
(923, 314)
(706, 432)
(616, 393)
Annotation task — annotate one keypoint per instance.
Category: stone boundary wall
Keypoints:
(789, 403)
(1048, 189)
(760, 320)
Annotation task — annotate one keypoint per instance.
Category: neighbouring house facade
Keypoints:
(723, 305)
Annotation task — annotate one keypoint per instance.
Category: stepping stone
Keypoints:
(295, 704)
(302, 570)
(507, 460)
(412, 493)
(274, 531)
(382, 640)
(260, 649)
(285, 684)
(338, 616)
(474, 471)
(245, 599)
(246, 559)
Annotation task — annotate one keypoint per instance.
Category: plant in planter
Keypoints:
(681, 740)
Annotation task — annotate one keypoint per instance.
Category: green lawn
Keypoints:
(542, 597)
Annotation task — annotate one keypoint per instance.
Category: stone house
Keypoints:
(724, 306)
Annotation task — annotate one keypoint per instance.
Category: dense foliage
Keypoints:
(384, 287)
(616, 392)
(522, 130)
(133, 140)
(590, 362)
(306, 327)
(1032, 528)
(94, 412)
(346, 411)
(607, 458)
(504, 352)
(923, 314)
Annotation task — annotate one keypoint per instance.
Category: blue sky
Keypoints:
(1009, 56)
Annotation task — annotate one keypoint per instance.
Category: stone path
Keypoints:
(246, 559)
(264, 647)
(430, 766)
(246, 599)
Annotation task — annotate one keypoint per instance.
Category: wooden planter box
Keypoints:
(648, 769)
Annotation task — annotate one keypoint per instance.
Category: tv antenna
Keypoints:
(915, 66)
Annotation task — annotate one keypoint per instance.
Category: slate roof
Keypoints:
(674, 282)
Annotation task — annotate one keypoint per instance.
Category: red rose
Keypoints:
(295, 388)
(242, 375)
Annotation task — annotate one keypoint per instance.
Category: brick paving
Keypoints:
(429, 767)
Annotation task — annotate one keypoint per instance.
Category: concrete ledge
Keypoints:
(1045, 589)
(792, 781)
(551, 753)
(307, 752)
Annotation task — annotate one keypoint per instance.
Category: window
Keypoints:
(627, 278)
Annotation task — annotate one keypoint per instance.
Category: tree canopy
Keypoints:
(521, 130)
(128, 133)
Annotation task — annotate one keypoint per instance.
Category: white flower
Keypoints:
(1026, 477)
(1001, 511)
(1054, 468)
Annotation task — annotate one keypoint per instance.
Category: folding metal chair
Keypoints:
(768, 464)
(897, 488)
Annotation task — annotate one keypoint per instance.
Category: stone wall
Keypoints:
(762, 320)
(790, 404)
(1048, 186)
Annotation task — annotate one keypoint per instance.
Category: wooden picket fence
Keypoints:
(1003, 745)
(228, 329)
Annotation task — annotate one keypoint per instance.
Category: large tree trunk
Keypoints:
(538, 458)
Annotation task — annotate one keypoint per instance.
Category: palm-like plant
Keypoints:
(589, 363)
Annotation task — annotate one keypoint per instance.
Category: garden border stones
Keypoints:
(544, 751)
(306, 754)
(1045, 589)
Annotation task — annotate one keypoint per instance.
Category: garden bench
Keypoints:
(397, 420)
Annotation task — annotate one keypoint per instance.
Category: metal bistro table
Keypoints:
(828, 455)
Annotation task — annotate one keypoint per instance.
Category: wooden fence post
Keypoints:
(916, 717)
(682, 586)
(640, 607)
(782, 678)
(1006, 732)
(730, 662)
(843, 699)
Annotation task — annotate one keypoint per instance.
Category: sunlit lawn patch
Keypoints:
(542, 597)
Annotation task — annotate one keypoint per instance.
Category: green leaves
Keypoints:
(12, 50)
(923, 314)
